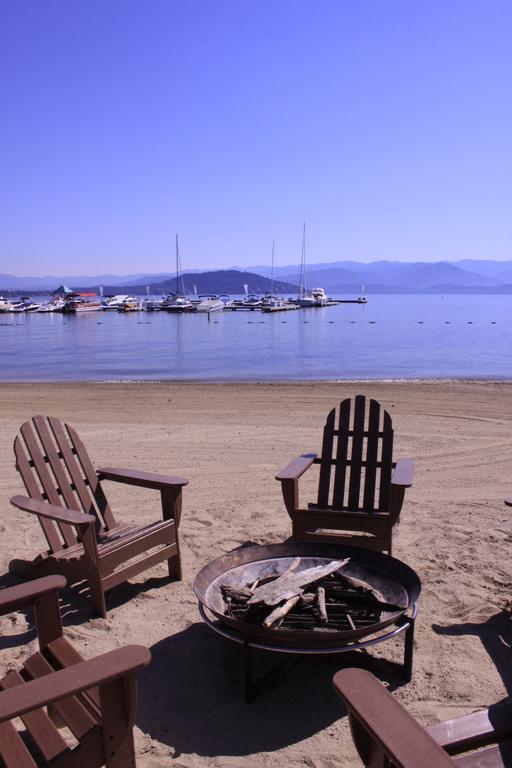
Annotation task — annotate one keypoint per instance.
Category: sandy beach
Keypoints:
(229, 440)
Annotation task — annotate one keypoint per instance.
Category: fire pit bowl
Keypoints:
(397, 583)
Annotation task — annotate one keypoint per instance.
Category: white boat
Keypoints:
(25, 305)
(209, 303)
(362, 298)
(319, 296)
(153, 305)
(5, 305)
(118, 302)
(81, 303)
(178, 302)
(315, 297)
(55, 305)
(270, 302)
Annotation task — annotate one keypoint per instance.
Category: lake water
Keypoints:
(392, 337)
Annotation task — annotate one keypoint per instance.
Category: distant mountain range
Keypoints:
(466, 276)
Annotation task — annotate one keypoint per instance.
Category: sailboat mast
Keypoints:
(177, 265)
(303, 263)
(272, 270)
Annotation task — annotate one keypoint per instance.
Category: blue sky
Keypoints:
(386, 125)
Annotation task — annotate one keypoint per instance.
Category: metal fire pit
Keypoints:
(399, 585)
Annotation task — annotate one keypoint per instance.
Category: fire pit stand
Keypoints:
(361, 598)
(355, 653)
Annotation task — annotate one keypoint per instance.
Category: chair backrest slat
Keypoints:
(325, 463)
(372, 448)
(69, 460)
(341, 455)
(55, 462)
(362, 457)
(33, 490)
(39, 458)
(54, 465)
(357, 453)
(92, 478)
(386, 463)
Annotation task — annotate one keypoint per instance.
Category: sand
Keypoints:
(229, 440)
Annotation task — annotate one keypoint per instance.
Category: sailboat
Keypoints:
(315, 297)
(178, 302)
(270, 302)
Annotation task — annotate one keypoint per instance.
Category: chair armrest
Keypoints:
(141, 479)
(297, 467)
(22, 595)
(52, 511)
(488, 726)
(382, 723)
(71, 680)
(403, 473)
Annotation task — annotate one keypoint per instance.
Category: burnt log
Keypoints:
(321, 610)
(278, 614)
(291, 584)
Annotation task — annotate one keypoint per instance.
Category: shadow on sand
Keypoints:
(191, 697)
(495, 634)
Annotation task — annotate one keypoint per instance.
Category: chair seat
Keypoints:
(120, 536)
(498, 756)
(374, 514)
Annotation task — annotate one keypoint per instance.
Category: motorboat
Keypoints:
(118, 302)
(320, 297)
(177, 302)
(209, 303)
(271, 301)
(55, 305)
(153, 305)
(25, 305)
(80, 303)
(5, 305)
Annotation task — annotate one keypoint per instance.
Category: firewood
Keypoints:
(292, 567)
(306, 599)
(363, 586)
(235, 592)
(350, 621)
(280, 612)
(320, 605)
(291, 584)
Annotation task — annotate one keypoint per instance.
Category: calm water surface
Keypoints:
(392, 337)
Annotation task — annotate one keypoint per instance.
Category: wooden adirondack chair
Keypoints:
(84, 540)
(386, 736)
(365, 495)
(95, 699)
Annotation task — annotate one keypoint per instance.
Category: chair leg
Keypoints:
(97, 596)
(174, 563)
(118, 707)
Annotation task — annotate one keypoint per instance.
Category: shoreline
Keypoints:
(263, 382)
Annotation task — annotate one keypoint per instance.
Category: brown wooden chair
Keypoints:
(386, 736)
(366, 491)
(84, 540)
(96, 699)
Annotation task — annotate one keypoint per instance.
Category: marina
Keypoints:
(392, 337)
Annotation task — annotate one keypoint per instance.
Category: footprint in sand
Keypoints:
(202, 521)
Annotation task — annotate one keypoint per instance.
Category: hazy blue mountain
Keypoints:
(49, 282)
(336, 277)
(229, 281)
(379, 275)
(491, 268)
